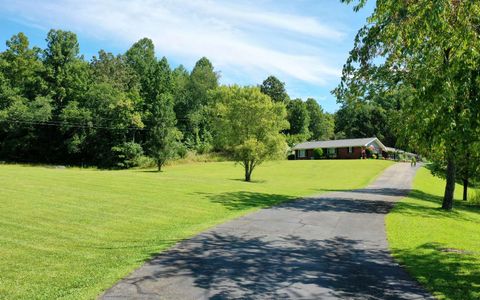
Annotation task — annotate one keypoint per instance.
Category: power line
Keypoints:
(69, 124)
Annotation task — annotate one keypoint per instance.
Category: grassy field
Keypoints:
(441, 249)
(72, 233)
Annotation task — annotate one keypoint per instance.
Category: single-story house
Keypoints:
(342, 149)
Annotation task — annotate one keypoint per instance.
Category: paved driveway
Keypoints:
(327, 247)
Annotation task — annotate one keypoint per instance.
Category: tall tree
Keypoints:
(141, 58)
(427, 54)
(274, 88)
(114, 70)
(321, 125)
(202, 80)
(164, 137)
(363, 119)
(299, 119)
(23, 99)
(249, 124)
(67, 73)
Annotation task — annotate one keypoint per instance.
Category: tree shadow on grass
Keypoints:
(225, 266)
(252, 181)
(325, 203)
(455, 275)
(246, 200)
(428, 211)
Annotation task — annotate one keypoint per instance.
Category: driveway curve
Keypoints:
(328, 247)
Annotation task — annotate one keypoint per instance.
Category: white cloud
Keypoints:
(234, 36)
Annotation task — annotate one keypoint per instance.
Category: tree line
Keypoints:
(114, 110)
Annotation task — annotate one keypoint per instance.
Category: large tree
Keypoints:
(299, 119)
(426, 55)
(249, 125)
(66, 71)
(274, 88)
(321, 125)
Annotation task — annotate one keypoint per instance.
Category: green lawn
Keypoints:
(72, 233)
(441, 249)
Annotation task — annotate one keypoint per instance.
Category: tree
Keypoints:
(299, 119)
(274, 88)
(426, 55)
(67, 73)
(114, 70)
(24, 100)
(164, 137)
(180, 81)
(321, 124)
(362, 120)
(248, 125)
(202, 80)
(141, 58)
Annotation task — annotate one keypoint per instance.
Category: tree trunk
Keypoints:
(159, 165)
(247, 171)
(450, 186)
(465, 189)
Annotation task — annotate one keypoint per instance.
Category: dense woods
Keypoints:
(119, 111)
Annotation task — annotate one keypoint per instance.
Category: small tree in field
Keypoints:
(164, 136)
(248, 125)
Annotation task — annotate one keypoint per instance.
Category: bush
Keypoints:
(127, 155)
(474, 198)
(374, 156)
(368, 152)
(291, 156)
(317, 153)
(182, 150)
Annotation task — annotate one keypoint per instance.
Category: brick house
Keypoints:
(341, 149)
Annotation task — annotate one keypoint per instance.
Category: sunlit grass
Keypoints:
(72, 233)
(441, 249)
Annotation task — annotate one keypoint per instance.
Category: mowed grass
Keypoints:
(72, 233)
(441, 249)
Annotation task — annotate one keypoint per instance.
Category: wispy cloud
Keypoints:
(235, 36)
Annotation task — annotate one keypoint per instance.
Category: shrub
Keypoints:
(374, 156)
(182, 150)
(475, 197)
(291, 156)
(317, 153)
(127, 155)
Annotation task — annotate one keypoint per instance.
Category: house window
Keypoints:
(301, 153)
(350, 150)
(332, 152)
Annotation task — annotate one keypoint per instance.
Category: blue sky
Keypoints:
(303, 42)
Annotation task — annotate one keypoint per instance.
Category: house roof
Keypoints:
(390, 149)
(338, 143)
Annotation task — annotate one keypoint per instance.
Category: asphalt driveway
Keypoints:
(328, 247)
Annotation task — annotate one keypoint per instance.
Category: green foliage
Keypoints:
(317, 153)
(248, 125)
(298, 117)
(274, 88)
(362, 120)
(321, 124)
(127, 155)
(164, 137)
(56, 107)
(422, 59)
